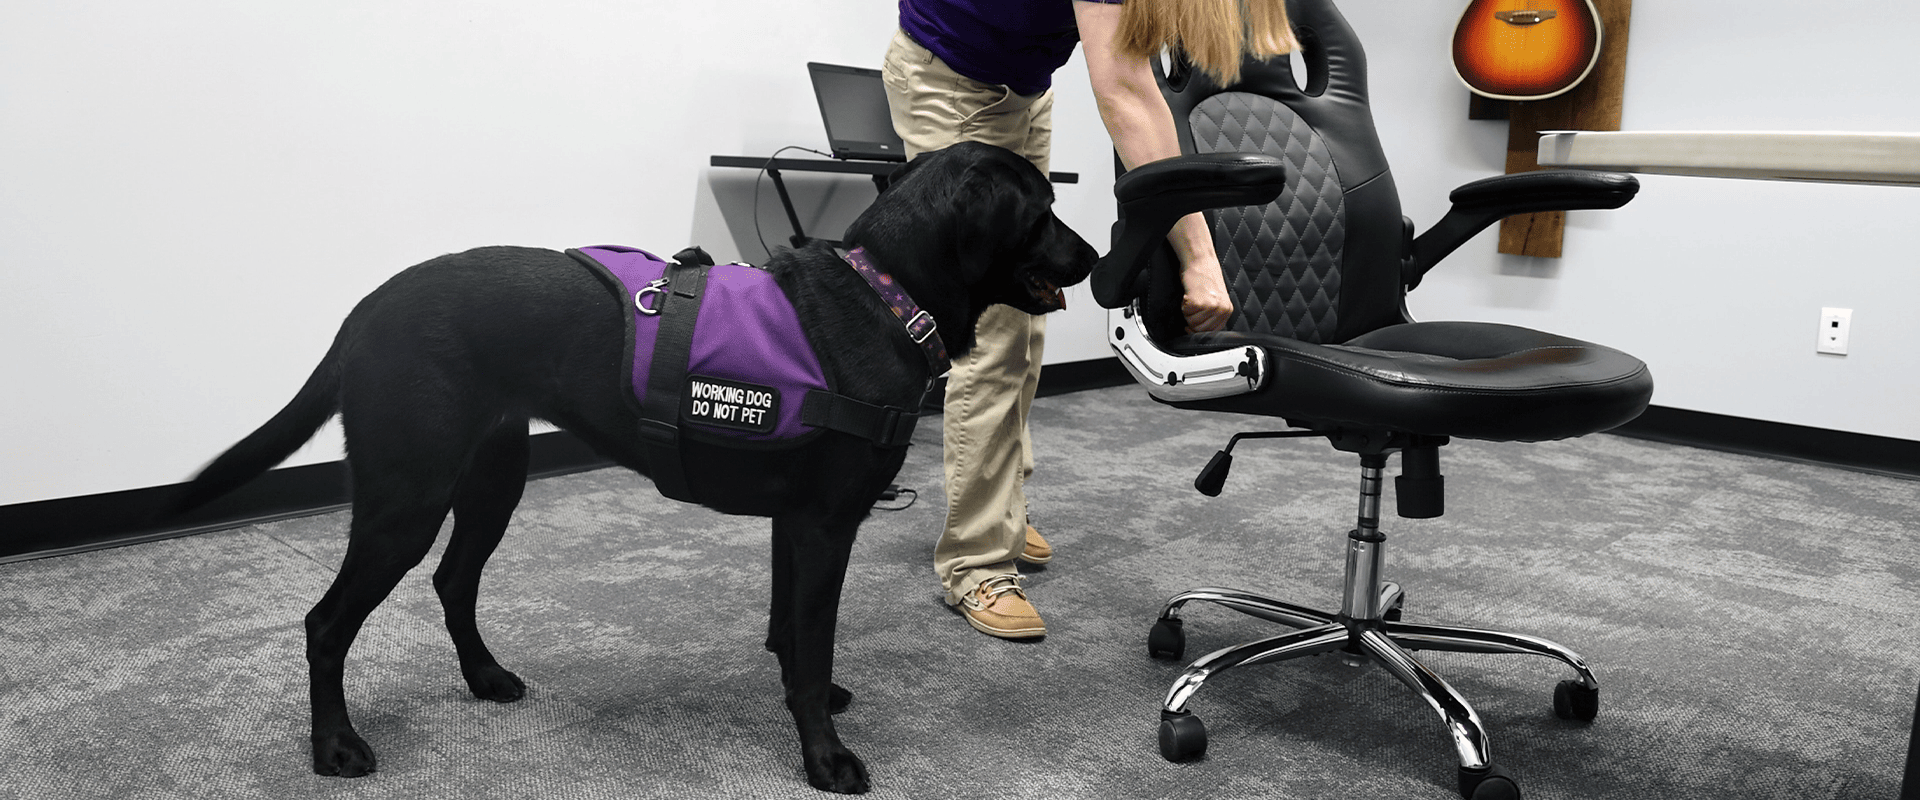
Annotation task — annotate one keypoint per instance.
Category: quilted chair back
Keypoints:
(1322, 263)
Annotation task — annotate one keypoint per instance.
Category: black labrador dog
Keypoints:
(437, 372)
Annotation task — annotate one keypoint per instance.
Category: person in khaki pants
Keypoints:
(982, 70)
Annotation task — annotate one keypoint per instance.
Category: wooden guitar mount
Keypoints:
(1593, 105)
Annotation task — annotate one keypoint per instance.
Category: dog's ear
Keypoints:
(1000, 200)
(970, 203)
(889, 226)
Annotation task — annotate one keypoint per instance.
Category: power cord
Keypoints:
(756, 190)
(893, 493)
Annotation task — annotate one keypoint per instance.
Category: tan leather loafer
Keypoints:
(999, 607)
(1037, 550)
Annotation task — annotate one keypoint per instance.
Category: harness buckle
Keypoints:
(891, 429)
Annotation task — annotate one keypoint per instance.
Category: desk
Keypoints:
(1888, 159)
(879, 170)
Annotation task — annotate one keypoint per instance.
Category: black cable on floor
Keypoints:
(893, 493)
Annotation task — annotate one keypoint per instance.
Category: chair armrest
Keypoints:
(1483, 202)
(1546, 190)
(1156, 195)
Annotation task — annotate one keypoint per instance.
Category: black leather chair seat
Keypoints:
(1473, 380)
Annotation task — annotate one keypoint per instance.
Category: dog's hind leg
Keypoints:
(483, 502)
(810, 563)
(406, 457)
(391, 532)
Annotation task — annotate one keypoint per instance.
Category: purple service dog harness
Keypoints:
(749, 377)
(749, 368)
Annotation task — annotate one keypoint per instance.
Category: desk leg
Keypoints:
(786, 201)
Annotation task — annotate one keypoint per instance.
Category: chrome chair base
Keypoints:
(1367, 628)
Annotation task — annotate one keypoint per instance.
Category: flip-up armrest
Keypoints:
(1548, 190)
(1155, 195)
(1483, 202)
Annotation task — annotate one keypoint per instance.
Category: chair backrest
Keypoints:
(1321, 264)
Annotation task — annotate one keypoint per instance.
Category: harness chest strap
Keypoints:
(885, 426)
(677, 306)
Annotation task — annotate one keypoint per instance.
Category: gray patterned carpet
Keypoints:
(1751, 621)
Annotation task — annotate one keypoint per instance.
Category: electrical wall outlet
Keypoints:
(1836, 326)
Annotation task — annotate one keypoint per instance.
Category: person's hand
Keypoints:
(1205, 303)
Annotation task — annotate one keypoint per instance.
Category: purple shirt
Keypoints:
(1015, 43)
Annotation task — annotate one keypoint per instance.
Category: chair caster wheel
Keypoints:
(1492, 783)
(1573, 700)
(1168, 639)
(1182, 737)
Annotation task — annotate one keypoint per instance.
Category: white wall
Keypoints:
(193, 194)
(1717, 284)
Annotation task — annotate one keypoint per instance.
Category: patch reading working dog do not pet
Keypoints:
(731, 404)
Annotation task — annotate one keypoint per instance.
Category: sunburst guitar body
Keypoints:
(1526, 49)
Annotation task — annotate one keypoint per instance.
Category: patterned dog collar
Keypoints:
(919, 325)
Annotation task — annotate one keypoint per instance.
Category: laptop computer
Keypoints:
(853, 104)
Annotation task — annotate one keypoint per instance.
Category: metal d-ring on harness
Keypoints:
(656, 289)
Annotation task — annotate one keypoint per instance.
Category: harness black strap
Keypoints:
(667, 377)
(885, 426)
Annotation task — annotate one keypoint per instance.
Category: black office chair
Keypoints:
(1321, 338)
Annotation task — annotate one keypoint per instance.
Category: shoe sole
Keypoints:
(1034, 559)
(1004, 633)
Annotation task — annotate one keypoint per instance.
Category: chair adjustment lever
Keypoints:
(1213, 477)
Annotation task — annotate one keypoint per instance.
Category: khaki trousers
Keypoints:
(987, 453)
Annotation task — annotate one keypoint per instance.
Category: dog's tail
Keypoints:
(272, 443)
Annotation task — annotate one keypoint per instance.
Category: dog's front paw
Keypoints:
(344, 754)
(496, 683)
(837, 770)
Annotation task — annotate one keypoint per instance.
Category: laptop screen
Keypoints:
(853, 104)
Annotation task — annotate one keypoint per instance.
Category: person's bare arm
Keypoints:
(1141, 125)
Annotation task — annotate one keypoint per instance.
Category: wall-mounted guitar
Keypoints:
(1526, 49)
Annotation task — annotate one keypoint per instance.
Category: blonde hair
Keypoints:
(1214, 34)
